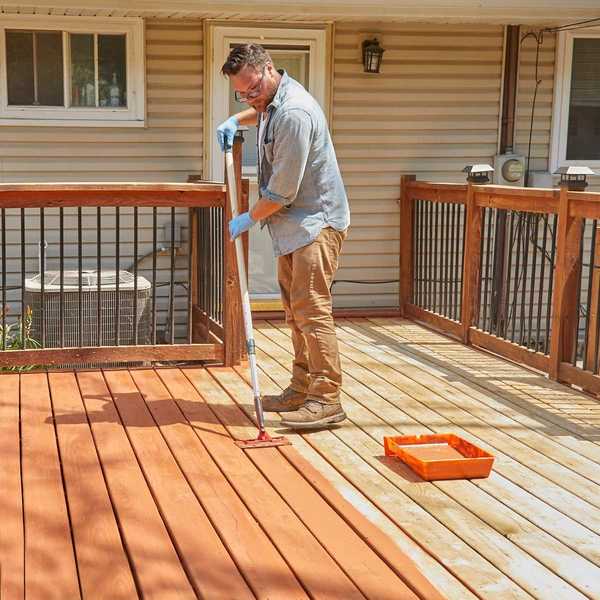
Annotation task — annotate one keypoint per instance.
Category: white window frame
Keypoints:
(133, 115)
(562, 97)
(220, 37)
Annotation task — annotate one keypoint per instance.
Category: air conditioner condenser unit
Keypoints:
(91, 313)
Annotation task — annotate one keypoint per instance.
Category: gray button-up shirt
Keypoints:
(298, 169)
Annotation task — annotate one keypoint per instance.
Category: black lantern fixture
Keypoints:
(478, 173)
(372, 53)
(575, 178)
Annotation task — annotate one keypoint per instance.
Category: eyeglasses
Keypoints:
(251, 93)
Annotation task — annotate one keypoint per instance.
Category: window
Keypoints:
(81, 71)
(576, 134)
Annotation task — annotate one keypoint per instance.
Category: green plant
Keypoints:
(17, 336)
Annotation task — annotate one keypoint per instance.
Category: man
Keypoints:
(303, 203)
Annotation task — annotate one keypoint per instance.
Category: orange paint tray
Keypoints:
(440, 456)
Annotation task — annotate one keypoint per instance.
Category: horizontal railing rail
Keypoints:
(529, 275)
(117, 273)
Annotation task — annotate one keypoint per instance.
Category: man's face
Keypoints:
(256, 88)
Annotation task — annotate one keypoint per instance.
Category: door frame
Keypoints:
(217, 39)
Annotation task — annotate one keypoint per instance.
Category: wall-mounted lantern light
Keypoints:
(478, 173)
(372, 53)
(575, 178)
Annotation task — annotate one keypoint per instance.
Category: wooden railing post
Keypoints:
(406, 243)
(232, 305)
(563, 336)
(471, 265)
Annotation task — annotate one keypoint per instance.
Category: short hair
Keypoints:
(245, 55)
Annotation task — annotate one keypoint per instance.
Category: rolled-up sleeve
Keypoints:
(291, 147)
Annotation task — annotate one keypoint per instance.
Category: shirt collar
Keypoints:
(281, 90)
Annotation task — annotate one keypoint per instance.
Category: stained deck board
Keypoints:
(98, 545)
(154, 561)
(549, 546)
(12, 540)
(48, 543)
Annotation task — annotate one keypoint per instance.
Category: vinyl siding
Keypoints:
(433, 109)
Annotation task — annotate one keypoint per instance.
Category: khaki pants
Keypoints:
(305, 277)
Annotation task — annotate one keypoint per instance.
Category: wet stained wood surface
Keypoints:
(127, 483)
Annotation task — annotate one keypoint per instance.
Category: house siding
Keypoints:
(433, 109)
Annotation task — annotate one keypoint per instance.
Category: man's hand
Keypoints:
(226, 132)
(240, 224)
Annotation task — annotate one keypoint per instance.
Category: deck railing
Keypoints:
(94, 274)
(512, 270)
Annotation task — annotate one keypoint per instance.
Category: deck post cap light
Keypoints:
(478, 173)
(574, 177)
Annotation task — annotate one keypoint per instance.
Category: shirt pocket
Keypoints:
(268, 151)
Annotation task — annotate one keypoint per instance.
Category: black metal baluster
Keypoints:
(436, 256)
(172, 284)
(534, 235)
(430, 258)
(24, 332)
(416, 256)
(117, 278)
(525, 262)
(578, 316)
(154, 244)
(3, 218)
(61, 275)
(190, 302)
(508, 274)
(446, 260)
(98, 275)
(481, 259)
(488, 262)
(590, 279)
(514, 301)
(551, 286)
(461, 254)
(453, 257)
(43, 277)
(543, 260)
(79, 278)
(135, 275)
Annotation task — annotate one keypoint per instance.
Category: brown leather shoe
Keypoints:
(313, 414)
(287, 401)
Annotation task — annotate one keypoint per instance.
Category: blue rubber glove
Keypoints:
(239, 224)
(226, 132)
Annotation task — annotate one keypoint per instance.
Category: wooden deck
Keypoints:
(126, 484)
